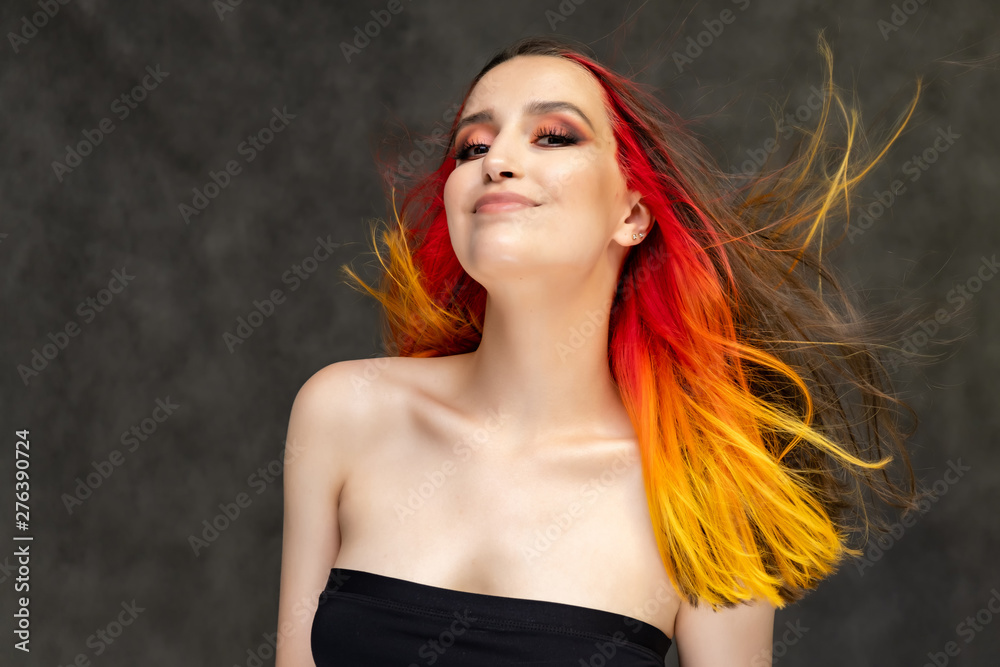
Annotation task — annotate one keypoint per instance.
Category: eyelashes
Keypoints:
(562, 137)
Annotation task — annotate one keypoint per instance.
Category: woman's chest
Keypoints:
(570, 528)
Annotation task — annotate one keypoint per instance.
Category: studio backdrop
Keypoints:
(183, 181)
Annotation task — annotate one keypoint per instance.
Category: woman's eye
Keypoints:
(548, 137)
(554, 135)
(555, 139)
(468, 150)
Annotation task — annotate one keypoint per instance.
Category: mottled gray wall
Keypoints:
(63, 234)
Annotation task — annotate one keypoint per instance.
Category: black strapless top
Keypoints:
(371, 620)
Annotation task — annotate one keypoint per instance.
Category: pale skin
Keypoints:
(519, 431)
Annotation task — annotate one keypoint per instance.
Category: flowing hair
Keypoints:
(734, 368)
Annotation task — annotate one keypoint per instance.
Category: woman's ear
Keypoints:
(638, 220)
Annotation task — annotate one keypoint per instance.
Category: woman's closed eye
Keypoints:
(560, 136)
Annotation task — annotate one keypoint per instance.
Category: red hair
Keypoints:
(726, 359)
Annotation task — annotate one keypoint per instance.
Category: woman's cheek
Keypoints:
(564, 180)
(451, 194)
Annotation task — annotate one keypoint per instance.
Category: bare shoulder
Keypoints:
(336, 400)
(738, 635)
(328, 428)
(351, 387)
(374, 382)
(346, 399)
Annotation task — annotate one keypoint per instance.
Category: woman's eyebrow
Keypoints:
(534, 108)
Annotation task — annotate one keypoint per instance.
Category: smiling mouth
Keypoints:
(499, 206)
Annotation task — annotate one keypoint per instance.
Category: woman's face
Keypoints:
(535, 127)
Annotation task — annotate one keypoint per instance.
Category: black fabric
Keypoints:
(371, 620)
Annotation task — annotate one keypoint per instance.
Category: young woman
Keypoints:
(612, 421)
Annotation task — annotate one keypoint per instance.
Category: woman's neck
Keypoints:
(544, 362)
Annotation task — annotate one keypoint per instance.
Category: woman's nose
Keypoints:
(502, 160)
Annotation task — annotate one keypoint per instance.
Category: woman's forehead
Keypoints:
(537, 78)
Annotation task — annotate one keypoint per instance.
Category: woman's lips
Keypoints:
(501, 201)
(496, 207)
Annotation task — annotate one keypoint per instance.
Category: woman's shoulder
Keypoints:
(362, 387)
(346, 406)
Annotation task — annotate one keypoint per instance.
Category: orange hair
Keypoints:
(732, 367)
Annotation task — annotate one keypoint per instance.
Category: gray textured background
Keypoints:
(162, 335)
